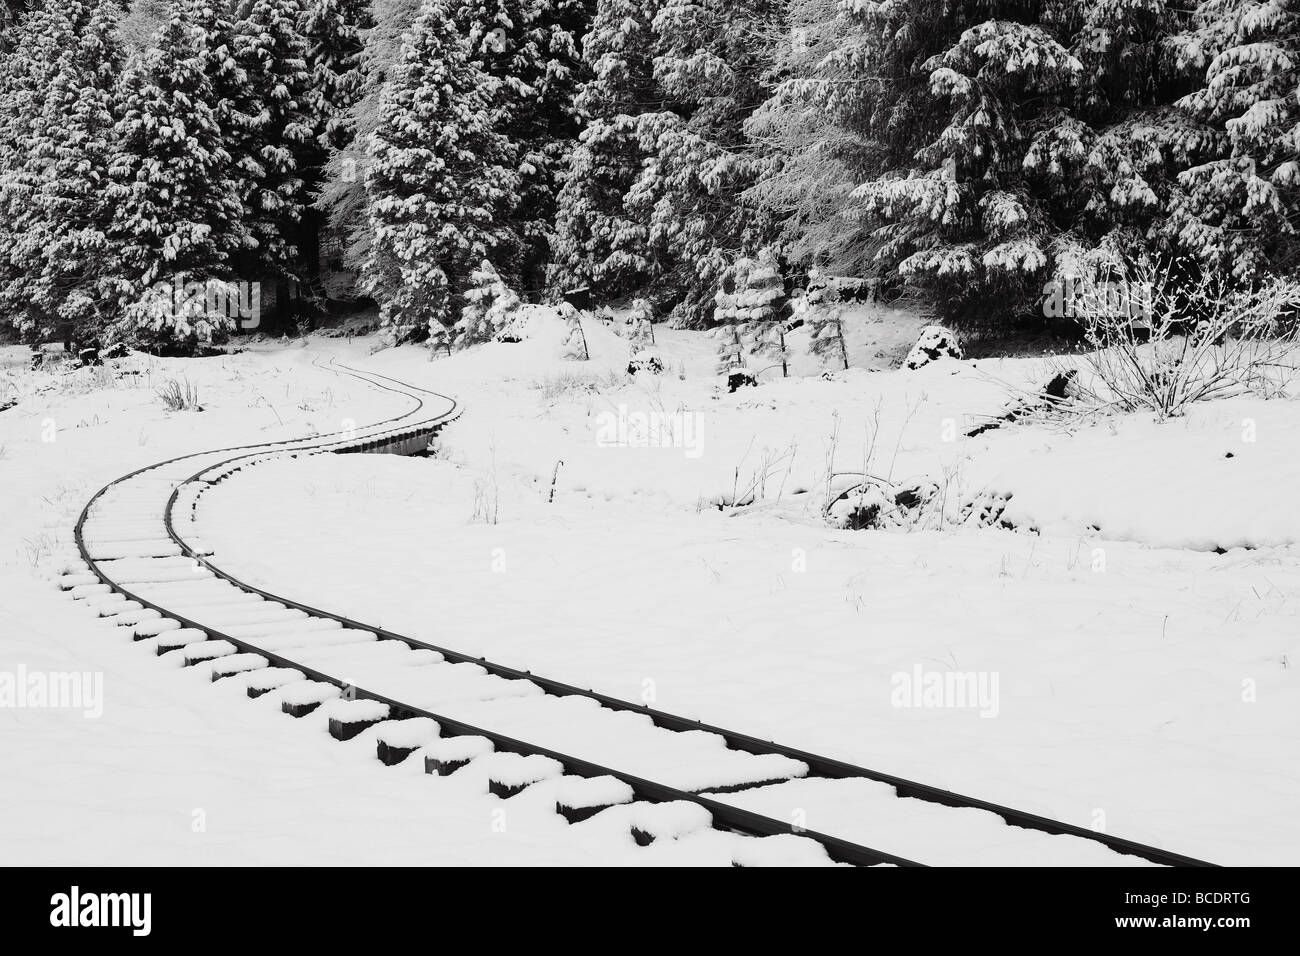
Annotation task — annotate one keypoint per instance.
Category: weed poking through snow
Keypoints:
(179, 394)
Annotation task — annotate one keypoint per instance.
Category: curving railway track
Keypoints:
(144, 566)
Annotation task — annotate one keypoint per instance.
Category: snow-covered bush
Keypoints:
(1185, 336)
(738, 378)
(873, 503)
(182, 316)
(646, 360)
(935, 343)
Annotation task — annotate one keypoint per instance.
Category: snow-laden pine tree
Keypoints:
(273, 136)
(640, 332)
(36, 40)
(334, 32)
(234, 102)
(173, 195)
(40, 39)
(958, 219)
(61, 259)
(599, 241)
(730, 349)
(726, 299)
(490, 306)
(982, 138)
(763, 308)
(710, 63)
(652, 199)
(213, 23)
(438, 179)
(342, 195)
(140, 21)
(1241, 195)
(823, 314)
(531, 47)
(439, 339)
(729, 315)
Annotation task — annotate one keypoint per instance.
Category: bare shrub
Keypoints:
(1173, 335)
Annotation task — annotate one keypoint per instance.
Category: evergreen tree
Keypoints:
(439, 339)
(531, 48)
(763, 306)
(729, 315)
(60, 257)
(710, 60)
(1241, 198)
(490, 306)
(641, 332)
(40, 40)
(333, 30)
(342, 194)
(987, 141)
(172, 193)
(272, 133)
(824, 320)
(599, 241)
(438, 179)
(142, 19)
(652, 200)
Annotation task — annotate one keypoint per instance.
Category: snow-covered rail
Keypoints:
(144, 566)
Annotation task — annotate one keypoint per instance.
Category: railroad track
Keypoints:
(144, 566)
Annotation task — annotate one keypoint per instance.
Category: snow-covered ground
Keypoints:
(1143, 682)
(168, 768)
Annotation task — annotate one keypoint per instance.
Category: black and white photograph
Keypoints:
(651, 433)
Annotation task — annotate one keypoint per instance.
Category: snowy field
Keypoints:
(176, 770)
(1139, 645)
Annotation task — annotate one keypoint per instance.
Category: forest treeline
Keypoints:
(158, 159)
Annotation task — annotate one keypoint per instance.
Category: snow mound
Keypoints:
(1221, 477)
(646, 360)
(935, 343)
